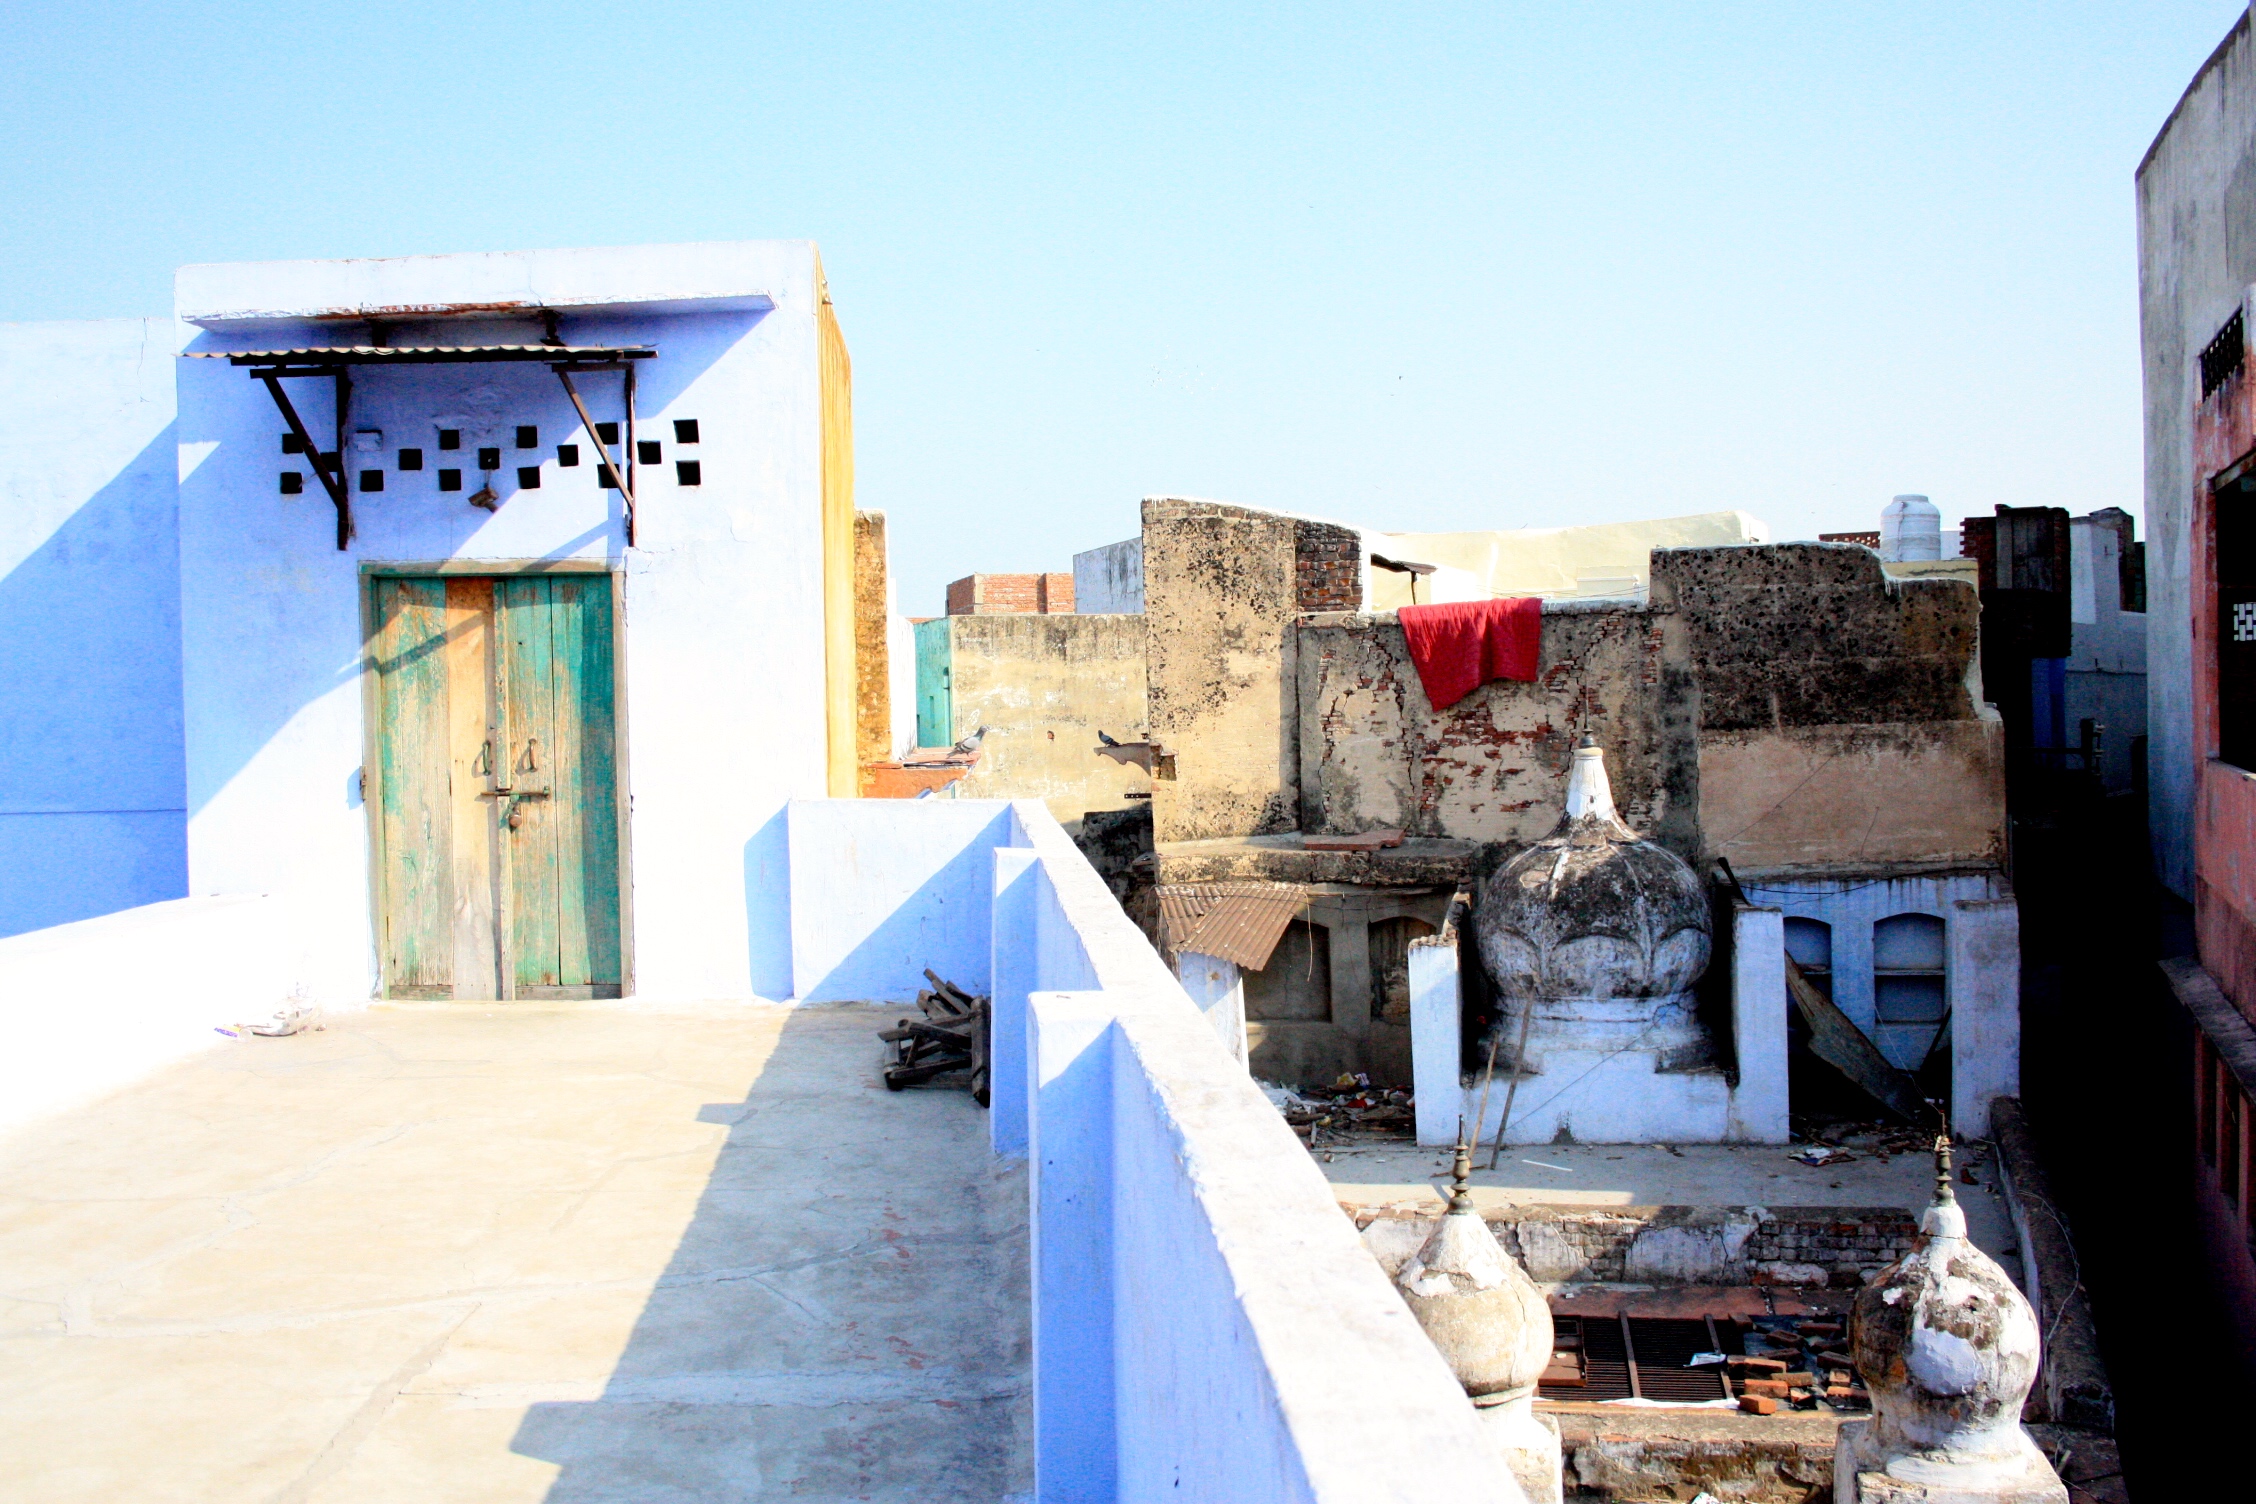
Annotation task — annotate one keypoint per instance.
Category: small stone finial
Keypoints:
(1945, 1191)
(1460, 1171)
(1492, 1327)
(1589, 792)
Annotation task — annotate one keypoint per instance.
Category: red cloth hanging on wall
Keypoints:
(1460, 647)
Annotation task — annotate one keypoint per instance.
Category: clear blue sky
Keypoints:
(1419, 267)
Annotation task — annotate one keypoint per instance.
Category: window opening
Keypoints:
(2234, 508)
(689, 472)
(528, 477)
(411, 459)
(649, 452)
(2223, 357)
(450, 438)
(2228, 1147)
(528, 436)
(450, 480)
(293, 483)
(1810, 943)
(489, 459)
(2205, 1078)
(567, 456)
(372, 480)
(685, 430)
(1907, 969)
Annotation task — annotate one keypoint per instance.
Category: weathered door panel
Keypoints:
(563, 851)
(585, 803)
(496, 775)
(471, 706)
(412, 787)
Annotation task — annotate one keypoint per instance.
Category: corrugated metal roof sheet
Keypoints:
(412, 355)
(1237, 922)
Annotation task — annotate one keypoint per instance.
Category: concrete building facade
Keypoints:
(434, 477)
(2197, 278)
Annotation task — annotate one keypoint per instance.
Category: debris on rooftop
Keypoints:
(952, 1037)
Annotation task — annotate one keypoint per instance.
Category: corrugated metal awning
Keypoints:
(1236, 922)
(326, 357)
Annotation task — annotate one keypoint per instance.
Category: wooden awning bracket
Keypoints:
(625, 482)
(332, 479)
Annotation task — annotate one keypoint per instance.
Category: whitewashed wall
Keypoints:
(92, 814)
(722, 711)
(1207, 1325)
(91, 1007)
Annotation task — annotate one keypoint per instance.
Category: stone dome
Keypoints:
(1948, 1348)
(1601, 932)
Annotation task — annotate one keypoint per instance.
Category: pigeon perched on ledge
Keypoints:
(1106, 737)
(971, 742)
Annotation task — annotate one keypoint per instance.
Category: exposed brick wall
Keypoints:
(1327, 567)
(1846, 1243)
(1011, 595)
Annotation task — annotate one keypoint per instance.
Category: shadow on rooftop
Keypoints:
(845, 1315)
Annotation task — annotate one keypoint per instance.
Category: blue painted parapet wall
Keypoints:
(1207, 1325)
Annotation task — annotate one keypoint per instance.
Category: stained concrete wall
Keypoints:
(92, 814)
(873, 665)
(1045, 686)
(1839, 709)
(723, 708)
(1110, 580)
(1220, 597)
(2196, 198)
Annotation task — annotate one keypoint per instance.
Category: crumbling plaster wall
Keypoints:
(1786, 705)
(1046, 685)
(1376, 754)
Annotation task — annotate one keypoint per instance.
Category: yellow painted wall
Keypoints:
(1552, 560)
(838, 546)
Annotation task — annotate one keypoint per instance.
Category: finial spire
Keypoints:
(1946, 1194)
(1588, 791)
(1460, 1171)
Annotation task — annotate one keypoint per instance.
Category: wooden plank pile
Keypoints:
(952, 1036)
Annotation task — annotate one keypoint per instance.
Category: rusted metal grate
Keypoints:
(2223, 357)
(1631, 1357)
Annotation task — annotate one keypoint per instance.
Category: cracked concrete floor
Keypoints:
(570, 1253)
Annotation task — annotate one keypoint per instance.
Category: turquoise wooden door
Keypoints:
(936, 691)
(496, 787)
(560, 836)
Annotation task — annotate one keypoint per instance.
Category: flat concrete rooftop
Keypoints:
(570, 1253)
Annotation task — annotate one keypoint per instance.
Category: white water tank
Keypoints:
(1910, 528)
